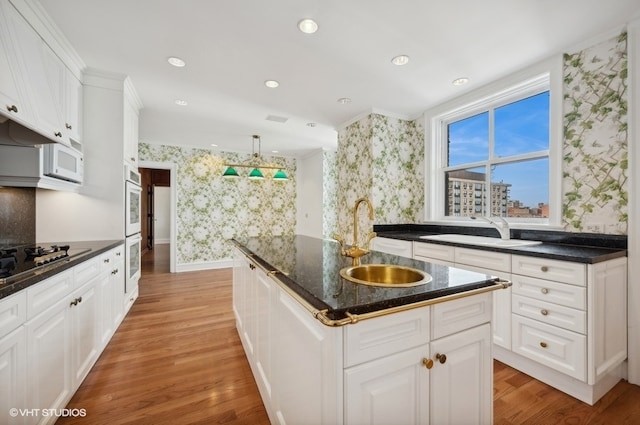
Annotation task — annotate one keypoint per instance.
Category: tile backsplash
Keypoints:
(17, 216)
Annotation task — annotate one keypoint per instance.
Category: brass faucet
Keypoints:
(355, 251)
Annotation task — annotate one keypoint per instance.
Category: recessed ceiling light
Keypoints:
(308, 26)
(181, 102)
(460, 81)
(272, 84)
(274, 151)
(400, 60)
(176, 62)
(344, 100)
(214, 145)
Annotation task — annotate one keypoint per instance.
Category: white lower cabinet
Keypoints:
(13, 373)
(391, 390)
(462, 380)
(558, 316)
(49, 354)
(85, 328)
(51, 335)
(378, 371)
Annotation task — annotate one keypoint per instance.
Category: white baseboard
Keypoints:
(161, 241)
(207, 265)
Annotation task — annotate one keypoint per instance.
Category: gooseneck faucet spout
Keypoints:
(502, 227)
(355, 251)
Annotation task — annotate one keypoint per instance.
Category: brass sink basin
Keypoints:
(385, 275)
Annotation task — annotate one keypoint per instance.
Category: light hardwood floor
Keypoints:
(177, 359)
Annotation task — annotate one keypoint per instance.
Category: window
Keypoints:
(498, 153)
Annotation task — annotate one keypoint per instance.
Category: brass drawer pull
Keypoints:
(12, 108)
(544, 312)
(543, 344)
(428, 363)
(544, 268)
(544, 290)
(442, 358)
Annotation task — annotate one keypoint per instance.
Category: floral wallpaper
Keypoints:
(329, 194)
(212, 209)
(381, 158)
(595, 138)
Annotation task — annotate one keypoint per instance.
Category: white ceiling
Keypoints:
(232, 46)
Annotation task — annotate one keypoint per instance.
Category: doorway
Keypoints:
(158, 210)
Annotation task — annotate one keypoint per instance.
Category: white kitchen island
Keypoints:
(327, 351)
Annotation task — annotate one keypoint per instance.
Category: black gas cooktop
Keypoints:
(20, 261)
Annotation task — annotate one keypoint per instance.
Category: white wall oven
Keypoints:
(132, 267)
(133, 201)
(133, 219)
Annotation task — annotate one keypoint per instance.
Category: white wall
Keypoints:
(309, 204)
(161, 211)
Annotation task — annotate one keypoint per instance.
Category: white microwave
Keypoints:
(63, 162)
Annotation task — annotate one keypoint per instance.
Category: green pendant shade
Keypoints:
(256, 174)
(255, 163)
(230, 172)
(280, 175)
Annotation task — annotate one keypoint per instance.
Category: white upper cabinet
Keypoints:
(38, 80)
(73, 107)
(14, 104)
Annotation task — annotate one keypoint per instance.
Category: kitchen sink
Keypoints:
(387, 275)
(481, 240)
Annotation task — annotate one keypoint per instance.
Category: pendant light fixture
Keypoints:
(255, 164)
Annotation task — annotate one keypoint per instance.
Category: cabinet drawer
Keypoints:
(553, 292)
(542, 268)
(392, 246)
(485, 259)
(86, 271)
(48, 292)
(13, 312)
(553, 314)
(464, 313)
(432, 250)
(109, 259)
(374, 338)
(557, 348)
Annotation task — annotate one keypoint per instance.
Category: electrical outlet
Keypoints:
(594, 228)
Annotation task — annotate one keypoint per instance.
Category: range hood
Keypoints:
(14, 134)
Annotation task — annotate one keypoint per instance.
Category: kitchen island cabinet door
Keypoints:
(461, 386)
(307, 380)
(390, 390)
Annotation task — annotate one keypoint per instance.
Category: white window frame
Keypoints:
(537, 78)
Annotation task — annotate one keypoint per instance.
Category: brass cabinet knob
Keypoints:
(543, 344)
(544, 312)
(57, 134)
(428, 363)
(442, 358)
(74, 302)
(544, 290)
(106, 260)
(544, 268)
(69, 126)
(12, 108)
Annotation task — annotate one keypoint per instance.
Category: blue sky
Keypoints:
(520, 127)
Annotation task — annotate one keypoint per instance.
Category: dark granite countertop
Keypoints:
(41, 273)
(311, 268)
(576, 247)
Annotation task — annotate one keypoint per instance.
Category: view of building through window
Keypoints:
(498, 161)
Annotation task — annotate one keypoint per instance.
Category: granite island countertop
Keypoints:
(94, 248)
(310, 267)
